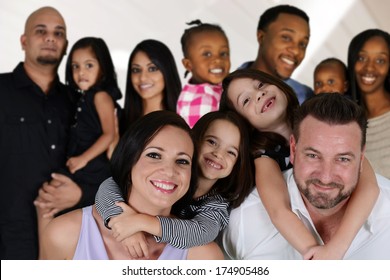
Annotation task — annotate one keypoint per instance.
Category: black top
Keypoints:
(83, 134)
(33, 140)
(281, 154)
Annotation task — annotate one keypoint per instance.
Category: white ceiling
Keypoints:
(124, 23)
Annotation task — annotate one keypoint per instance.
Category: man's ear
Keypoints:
(292, 148)
(260, 36)
(187, 64)
(23, 41)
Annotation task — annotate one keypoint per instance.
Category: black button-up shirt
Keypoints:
(34, 130)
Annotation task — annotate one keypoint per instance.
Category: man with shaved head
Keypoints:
(35, 114)
(44, 41)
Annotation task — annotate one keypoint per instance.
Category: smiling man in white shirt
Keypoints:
(327, 151)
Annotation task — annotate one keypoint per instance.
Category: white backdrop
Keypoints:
(124, 23)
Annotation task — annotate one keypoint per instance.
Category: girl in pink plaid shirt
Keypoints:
(206, 56)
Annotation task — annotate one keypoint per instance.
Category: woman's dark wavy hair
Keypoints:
(133, 142)
(260, 139)
(108, 79)
(238, 184)
(354, 48)
(163, 58)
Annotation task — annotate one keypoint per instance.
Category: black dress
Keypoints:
(83, 134)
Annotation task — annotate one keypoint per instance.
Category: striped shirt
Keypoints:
(200, 222)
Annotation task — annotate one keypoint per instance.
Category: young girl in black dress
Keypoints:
(91, 76)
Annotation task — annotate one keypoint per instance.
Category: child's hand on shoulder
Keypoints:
(125, 224)
(137, 246)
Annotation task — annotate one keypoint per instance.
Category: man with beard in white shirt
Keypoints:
(327, 151)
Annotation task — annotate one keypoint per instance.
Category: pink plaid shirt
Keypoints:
(196, 100)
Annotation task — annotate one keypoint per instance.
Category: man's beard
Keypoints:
(323, 200)
(48, 60)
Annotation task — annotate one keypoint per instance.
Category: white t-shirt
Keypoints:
(251, 235)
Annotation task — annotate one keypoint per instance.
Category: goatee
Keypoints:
(48, 60)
